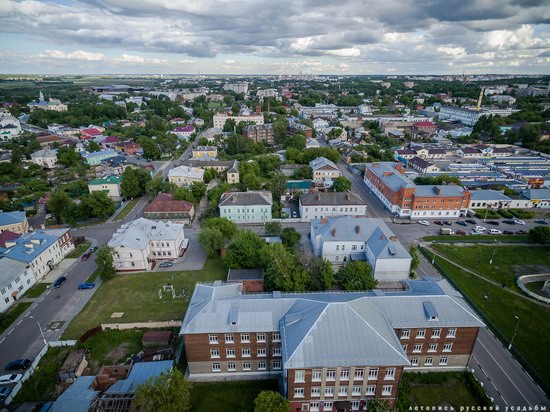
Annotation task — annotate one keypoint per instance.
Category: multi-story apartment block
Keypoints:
(15, 279)
(220, 119)
(237, 87)
(322, 205)
(46, 158)
(323, 169)
(108, 184)
(185, 175)
(387, 180)
(260, 133)
(14, 222)
(205, 152)
(300, 128)
(139, 244)
(311, 340)
(246, 207)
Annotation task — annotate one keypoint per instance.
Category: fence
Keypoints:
(142, 325)
(505, 342)
(533, 278)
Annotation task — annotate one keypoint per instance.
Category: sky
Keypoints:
(275, 37)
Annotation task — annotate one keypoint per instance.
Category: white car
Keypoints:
(519, 222)
(424, 223)
(495, 232)
(9, 379)
(480, 229)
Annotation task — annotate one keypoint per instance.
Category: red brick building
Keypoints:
(424, 127)
(259, 133)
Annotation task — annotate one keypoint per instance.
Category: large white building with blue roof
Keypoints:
(14, 222)
(345, 238)
(331, 349)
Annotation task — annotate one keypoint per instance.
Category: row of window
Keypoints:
(245, 352)
(330, 374)
(429, 361)
(328, 406)
(421, 333)
(327, 209)
(164, 253)
(245, 337)
(432, 347)
(342, 391)
(246, 366)
(353, 247)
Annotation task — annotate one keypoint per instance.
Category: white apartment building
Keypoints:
(15, 279)
(236, 87)
(9, 126)
(322, 205)
(220, 119)
(46, 158)
(185, 175)
(138, 245)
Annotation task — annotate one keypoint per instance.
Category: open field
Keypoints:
(136, 294)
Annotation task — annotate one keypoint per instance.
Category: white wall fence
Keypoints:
(28, 373)
(142, 325)
(522, 280)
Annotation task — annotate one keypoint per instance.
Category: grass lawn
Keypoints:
(523, 214)
(7, 318)
(127, 209)
(535, 286)
(36, 290)
(480, 238)
(500, 306)
(80, 249)
(137, 296)
(454, 392)
(228, 396)
(41, 385)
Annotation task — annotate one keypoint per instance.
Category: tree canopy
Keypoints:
(540, 234)
(245, 251)
(356, 275)
(271, 401)
(104, 260)
(283, 271)
(167, 392)
(341, 184)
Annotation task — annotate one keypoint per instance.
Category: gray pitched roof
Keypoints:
(439, 190)
(488, 195)
(418, 161)
(257, 197)
(537, 194)
(321, 163)
(331, 199)
(394, 179)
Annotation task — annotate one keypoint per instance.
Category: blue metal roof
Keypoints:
(77, 398)
(11, 218)
(29, 246)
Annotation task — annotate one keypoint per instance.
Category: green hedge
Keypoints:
(522, 214)
(505, 213)
(487, 214)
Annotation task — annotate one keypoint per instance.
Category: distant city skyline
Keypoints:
(393, 37)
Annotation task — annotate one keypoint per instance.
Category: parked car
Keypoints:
(541, 222)
(86, 285)
(509, 222)
(462, 223)
(60, 280)
(424, 222)
(4, 392)
(471, 221)
(475, 232)
(519, 222)
(493, 222)
(17, 365)
(447, 222)
(507, 232)
(495, 232)
(480, 229)
(85, 256)
(166, 265)
(11, 378)
(438, 222)
(461, 233)
(93, 249)
(447, 231)
(521, 232)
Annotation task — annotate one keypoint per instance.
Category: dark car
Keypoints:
(462, 223)
(541, 222)
(17, 365)
(4, 392)
(438, 222)
(85, 256)
(461, 233)
(86, 285)
(507, 232)
(60, 280)
(471, 221)
(447, 222)
(509, 222)
(521, 232)
(493, 222)
(166, 265)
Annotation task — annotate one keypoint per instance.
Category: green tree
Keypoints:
(210, 174)
(321, 275)
(93, 147)
(156, 186)
(298, 141)
(271, 401)
(291, 237)
(415, 262)
(129, 186)
(540, 234)
(99, 204)
(277, 185)
(198, 189)
(68, 157)
(104, 260)
(380, 405)
(356, 275)
(273, 228)
(167, 392)
(59, 204)
(211, 240)
(245, 251)
(341, 184)
(225, 226)
(150, 148)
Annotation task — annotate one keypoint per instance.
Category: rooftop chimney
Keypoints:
(437, 189)
(334, 232)
(348, 197)
(388, 173)
(318, 197)
(394, 238)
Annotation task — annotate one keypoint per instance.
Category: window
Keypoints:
(429, 361)
(214, 353)
(371, 390)
(432, 347)
(314, 406)
(436, 333)
(216, 367)
(355, 405)
(329, 391)
(331, 374)
(262, 352)
(451, 333)
(390, 374)
(231, 367)
(359, 374)
(443, 360)
(276, 351)
(246, 366)
(315, 391)
(405, 334)
(298, 392)
(343, 391)
(373, 373)
(404, 347)
(229, 338)
(421, 334)
(356, 391)
(277, 364)
(213, 338)
(414, 361)
(262, 366)
(245, 352)
(344, 374)
(316, 376)
(260, 337)
(327, 406)
(245, 337)
(417, 347)
(447, 347)
(276, 337)
(300, 376)
(230, 353)
(386, 390)
(353, 247)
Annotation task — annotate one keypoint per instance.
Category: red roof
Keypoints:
(6, 236)
(112, 139)
(92, 131)
(165, 203)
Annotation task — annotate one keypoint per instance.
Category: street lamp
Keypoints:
(515, 331)
(494, 251)
(40, 329)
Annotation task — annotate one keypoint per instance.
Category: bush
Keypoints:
(505, 213)
(476, 390)
(522, 214)
(487, 214)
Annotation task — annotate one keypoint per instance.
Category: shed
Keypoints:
(157, 338)
(74, 365)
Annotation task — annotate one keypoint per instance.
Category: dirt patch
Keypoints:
(520, 270)
(118, 353)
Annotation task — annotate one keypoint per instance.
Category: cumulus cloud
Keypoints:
(79, 55)
(187, 61)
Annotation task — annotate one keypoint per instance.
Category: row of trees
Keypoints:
(92, 205)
